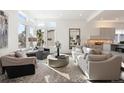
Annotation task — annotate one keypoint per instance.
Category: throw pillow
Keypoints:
(78, 50)
(92, 57)
(18, 54)
(86, 50)
(108, 55)
(95, 52)
(41, 49)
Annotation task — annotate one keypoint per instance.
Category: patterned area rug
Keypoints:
(45, 74)
(67, 74)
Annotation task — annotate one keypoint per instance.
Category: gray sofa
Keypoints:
(40, 54)
(99, 65)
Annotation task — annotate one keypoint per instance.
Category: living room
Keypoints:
(59, 50)
(61, 46)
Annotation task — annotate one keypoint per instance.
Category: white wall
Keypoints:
(90, 30)
(107, 33)
(94, 29)
(62, 32)
(12, 33)
(107, 28)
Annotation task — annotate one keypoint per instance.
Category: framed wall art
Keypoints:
(74, 37)
(3, 30)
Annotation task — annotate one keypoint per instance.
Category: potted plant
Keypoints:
(40, 40)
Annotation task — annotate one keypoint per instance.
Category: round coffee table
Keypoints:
(60, 61)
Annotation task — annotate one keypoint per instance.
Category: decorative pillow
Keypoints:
(41, 48)
(108, 55)
(86, 50)
(78, 50)
(73, 48)
(36, 48)
(18, 54)
(92, 57)
(95, 52)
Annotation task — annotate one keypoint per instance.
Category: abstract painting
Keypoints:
(3, 30)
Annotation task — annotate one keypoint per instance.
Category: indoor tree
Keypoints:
(40, 40)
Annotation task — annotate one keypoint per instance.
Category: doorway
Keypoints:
(50, 38)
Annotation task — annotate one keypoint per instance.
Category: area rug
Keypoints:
(67, 74)
(46, 74)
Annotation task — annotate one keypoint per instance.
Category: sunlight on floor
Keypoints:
(60, 73)
(47, 78)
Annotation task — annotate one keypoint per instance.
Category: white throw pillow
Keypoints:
(108, 55)
(95, 52)
(78, 50)
(92, 57)
(86, 50)
(20, 54)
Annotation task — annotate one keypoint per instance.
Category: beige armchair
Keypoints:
(18, 66)
(14, 61)
(101, 68)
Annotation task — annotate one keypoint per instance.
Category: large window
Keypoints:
(48, 31)
(21, 31)
(51, 24)
(31, 33)
(119, 35)
(22, 36)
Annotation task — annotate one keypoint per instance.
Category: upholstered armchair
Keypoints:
(99, 67)
(18, 66)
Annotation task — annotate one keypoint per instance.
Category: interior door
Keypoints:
(50, 37)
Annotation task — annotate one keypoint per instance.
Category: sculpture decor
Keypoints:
(58, 45)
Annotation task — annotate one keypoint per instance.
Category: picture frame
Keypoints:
(74, 37)
(3, 30)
